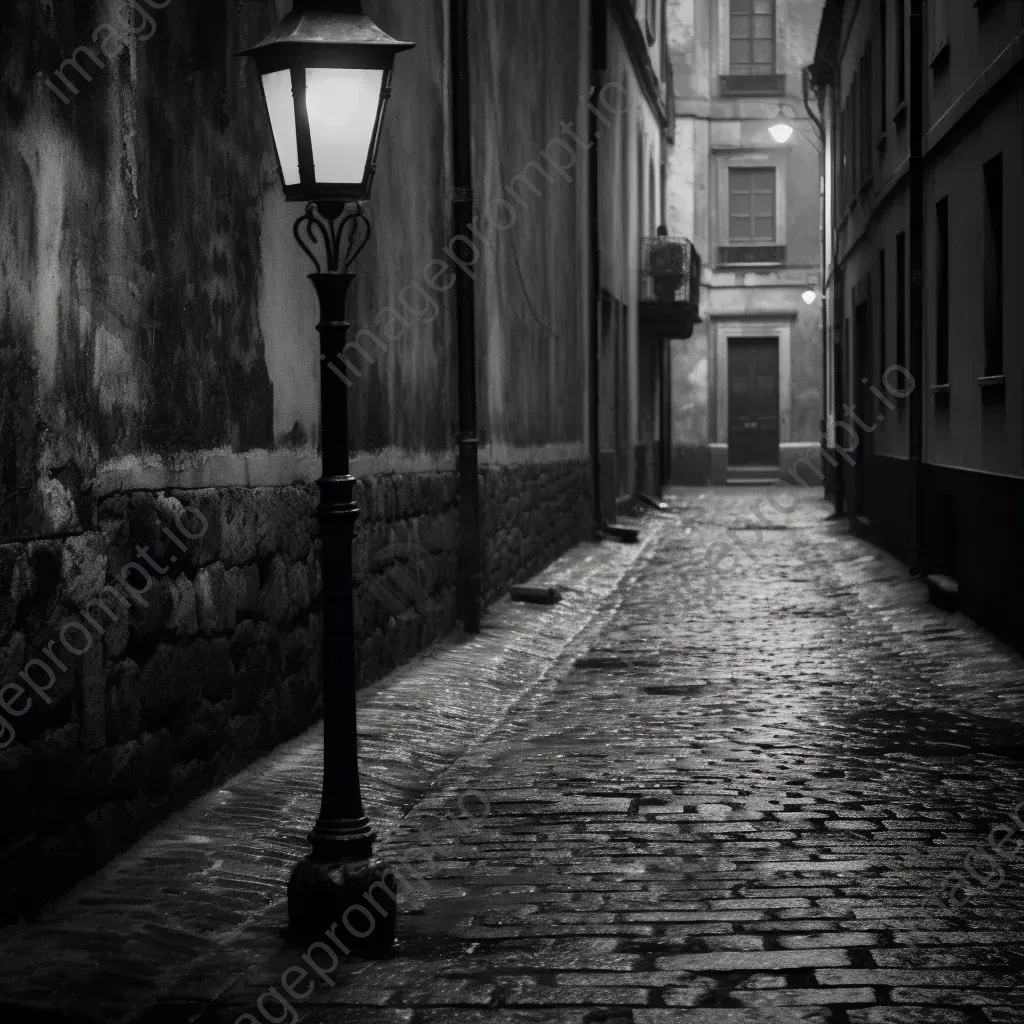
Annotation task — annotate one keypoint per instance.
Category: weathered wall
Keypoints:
(151, 694)
(629, 155)
(157, 350)
(527, 171)
(971, 483)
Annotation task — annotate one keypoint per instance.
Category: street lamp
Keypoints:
(809, 296)
(781, 132)
(326, 74)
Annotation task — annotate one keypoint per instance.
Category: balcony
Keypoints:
(669, 287)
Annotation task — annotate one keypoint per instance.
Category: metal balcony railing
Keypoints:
(670, 271)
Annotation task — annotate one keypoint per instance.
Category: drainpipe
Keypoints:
(598, 64)
(470, 571)
(917, 549)
(808, 82)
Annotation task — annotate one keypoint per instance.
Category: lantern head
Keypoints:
(326, 76)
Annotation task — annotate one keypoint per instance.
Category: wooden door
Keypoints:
(753, 402)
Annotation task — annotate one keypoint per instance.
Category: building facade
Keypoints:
(632, 72)
(746, 386)
(924, 257)
(159, 398)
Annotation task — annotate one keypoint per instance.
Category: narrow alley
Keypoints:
(510, 511)
(743, 809)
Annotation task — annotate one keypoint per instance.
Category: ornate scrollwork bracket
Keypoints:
(342, 228)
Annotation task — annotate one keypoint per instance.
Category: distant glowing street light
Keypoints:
(781, 132)
(809, 296)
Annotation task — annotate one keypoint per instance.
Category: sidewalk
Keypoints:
(125, 940)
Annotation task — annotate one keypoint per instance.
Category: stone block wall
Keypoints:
(177, 641)
(531, 514)
(406, 564)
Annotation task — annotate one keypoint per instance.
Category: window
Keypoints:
(883, 354)
(942, 291)
(901, 300)
(883, 65)
(854, 165)
(752, 37)
(901, 51)
(843, 160)
(993, 267)
(868, 114)
(751, 204)
(938, 25)
(651, 19)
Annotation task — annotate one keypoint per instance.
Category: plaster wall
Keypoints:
(156, 318)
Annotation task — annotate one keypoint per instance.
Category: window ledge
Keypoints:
(899, 115)
(751, 255)
(940, 54)
(752, 85)
(993, 389)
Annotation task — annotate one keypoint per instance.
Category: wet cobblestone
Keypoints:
(723, 803)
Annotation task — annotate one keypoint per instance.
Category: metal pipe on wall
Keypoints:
(598, 64)
(917, 549)
(470, 560)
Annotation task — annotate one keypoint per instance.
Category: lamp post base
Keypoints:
(353, 906)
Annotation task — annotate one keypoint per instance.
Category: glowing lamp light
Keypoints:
(326, 75)
(781, 132)
(809, 296)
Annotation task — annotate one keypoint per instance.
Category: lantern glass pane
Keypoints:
(277, 87)
(342, 107)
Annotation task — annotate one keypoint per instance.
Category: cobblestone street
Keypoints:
(728, 802)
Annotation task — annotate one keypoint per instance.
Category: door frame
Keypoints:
(778, 326)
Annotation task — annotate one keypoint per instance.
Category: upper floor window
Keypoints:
(993, 265)
(901, 299)
(883, 64)
(752, 37)
(938, 24)
(751, 204)
(901, 50)
(942, 291)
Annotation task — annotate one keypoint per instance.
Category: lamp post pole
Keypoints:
(325, 73)
(336, 883)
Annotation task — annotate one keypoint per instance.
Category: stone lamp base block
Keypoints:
(352, 906)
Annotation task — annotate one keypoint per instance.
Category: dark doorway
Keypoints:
(613, 404)
(864, 373)
(666, 413)
(754, 402)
